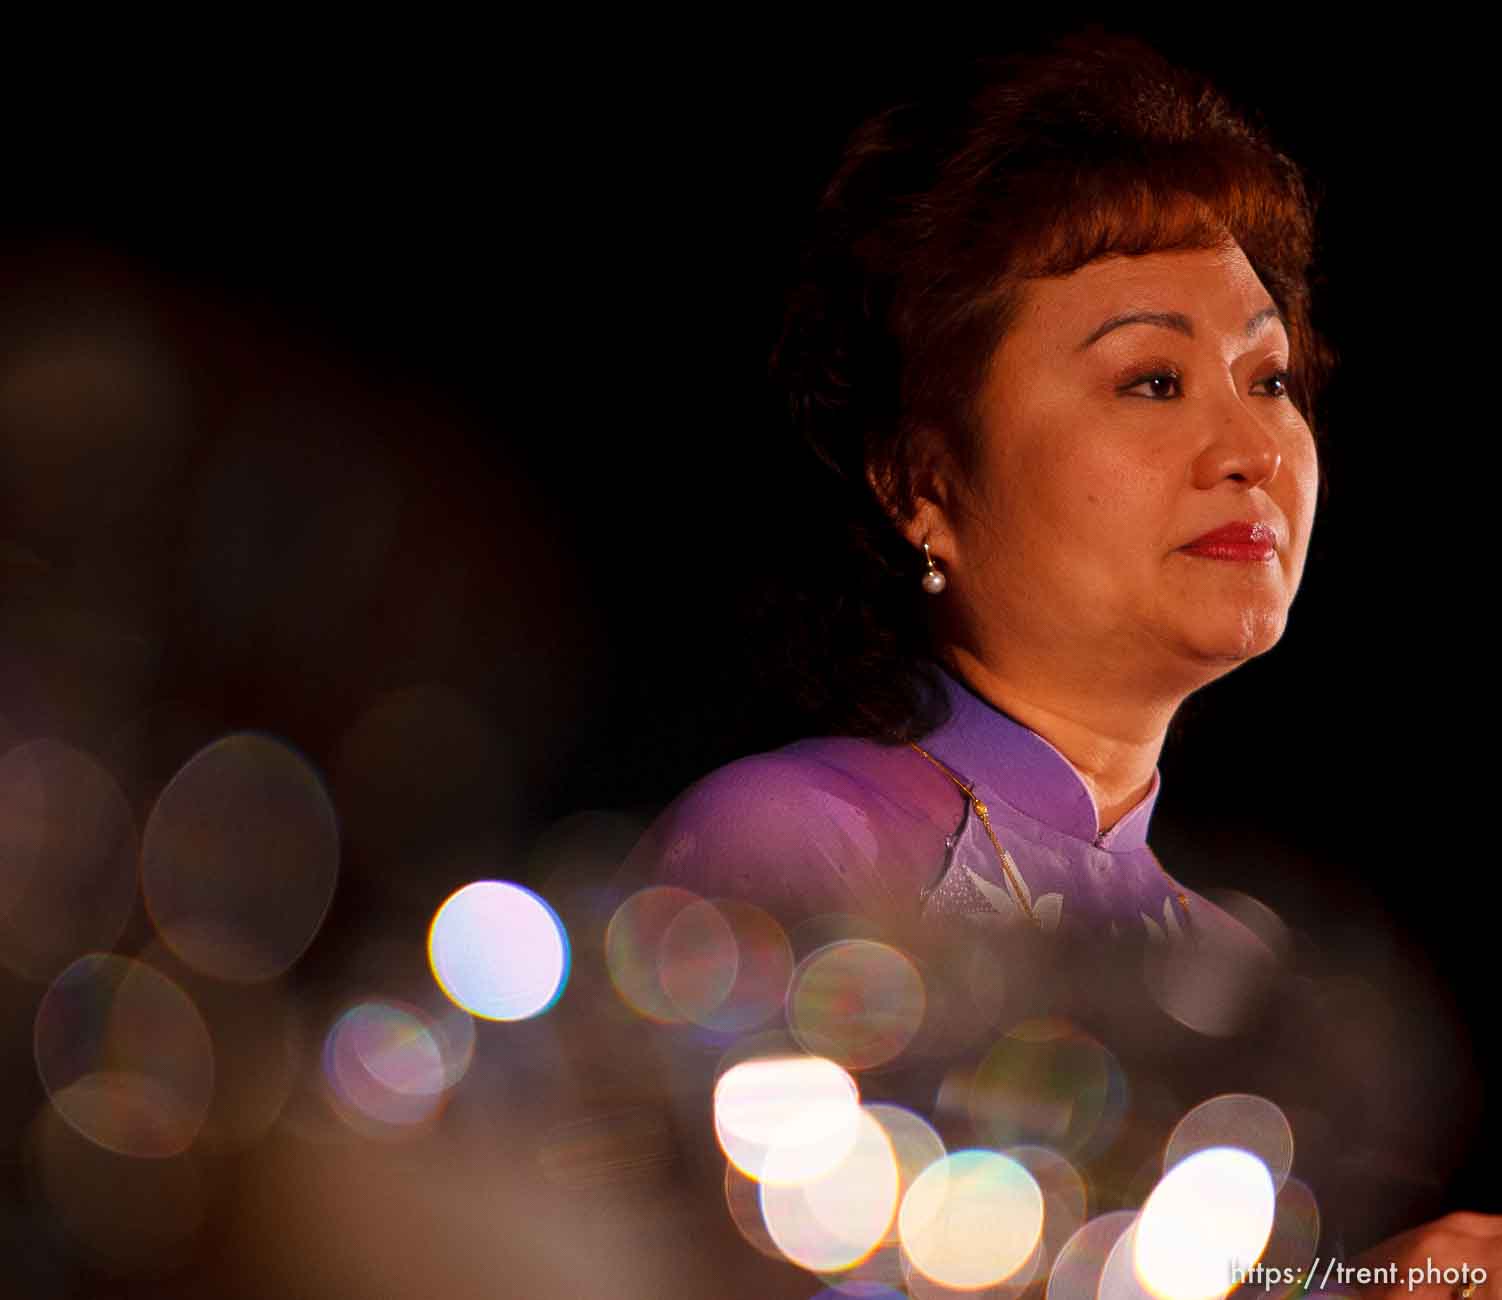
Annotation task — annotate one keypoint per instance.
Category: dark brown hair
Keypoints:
(941, 208)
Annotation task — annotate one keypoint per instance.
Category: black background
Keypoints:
(573, 247)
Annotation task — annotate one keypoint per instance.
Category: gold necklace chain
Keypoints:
(1014, 877)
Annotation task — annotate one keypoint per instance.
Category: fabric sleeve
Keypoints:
(783, 831)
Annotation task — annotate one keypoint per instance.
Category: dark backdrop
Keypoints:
(543, 276)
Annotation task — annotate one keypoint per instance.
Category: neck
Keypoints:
(1114, 747)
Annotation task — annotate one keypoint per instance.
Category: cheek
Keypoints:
(1088, 524)
(1076, 510)
(1113, 503)
(1303, 466)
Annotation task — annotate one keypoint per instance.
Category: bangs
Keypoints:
(1191, 202)
(1132, 215)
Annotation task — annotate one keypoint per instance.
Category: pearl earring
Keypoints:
(933, 581)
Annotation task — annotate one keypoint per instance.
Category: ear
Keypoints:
(929, 518)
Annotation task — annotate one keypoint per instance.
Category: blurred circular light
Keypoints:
(762, 964)
(1211, 1212)
(743, 1197)
(857, 1002)
(633, 949)
(499, 951)
(67, 858)
(833, 1221)
(1290, 1249)
(1236, 1119)
(128, 1215)
(1119, 1279)
(786, 1119)
(915, 1146)
(124, 1056)
(971, 1220)
(253, 1029)
(1064, 1195)
(1258, 917)
(1216, 987)
(1081, 1261)
(453, 1032)
(381, 1061)
(240, 857)
(1047, 1083)
(697, 961)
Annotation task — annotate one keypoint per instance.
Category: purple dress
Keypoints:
(845, 825)
(841, 824)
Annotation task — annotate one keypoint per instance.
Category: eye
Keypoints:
(1158, 382)
(1282, 378)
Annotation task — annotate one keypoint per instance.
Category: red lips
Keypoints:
(1250, 542)
(1255, 533)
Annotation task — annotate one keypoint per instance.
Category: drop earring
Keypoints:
(933, 581)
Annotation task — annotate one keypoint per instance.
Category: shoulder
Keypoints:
(1227, 936)
(823, 824)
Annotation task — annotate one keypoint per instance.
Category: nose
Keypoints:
(1245, 449)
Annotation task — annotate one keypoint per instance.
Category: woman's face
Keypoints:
(1109, 445)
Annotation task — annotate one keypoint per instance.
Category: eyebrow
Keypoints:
(1174, 320)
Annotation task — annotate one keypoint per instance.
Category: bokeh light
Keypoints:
(1258, 917)
(743, 1199)
(857, 1002)
(697, 960)
(914, 1141)
(381, 1062)
(789, 1119)
(1235, 1119)
(832, 1221)
(763, 964)
(971, 1220)
(124, 1056)
(127, 1215)
(1119, 1279)
(1065, 1197)
(68, 853)
(1081, 1261)
(254, 1032)
(1047, 1083)
(1217, 986)
(633, 949)
(916, 1146)
(723, 964)
(240, 857)
(1211, 1212)
(499, 951)
(1290, 1248)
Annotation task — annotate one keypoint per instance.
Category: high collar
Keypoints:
(1013, 763)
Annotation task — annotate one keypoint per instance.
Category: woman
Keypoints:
(1053, 341)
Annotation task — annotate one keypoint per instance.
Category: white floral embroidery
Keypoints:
(1048, 909)
(1171, 919)
(1000, 899)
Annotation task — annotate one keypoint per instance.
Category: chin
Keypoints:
(1240, 635)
